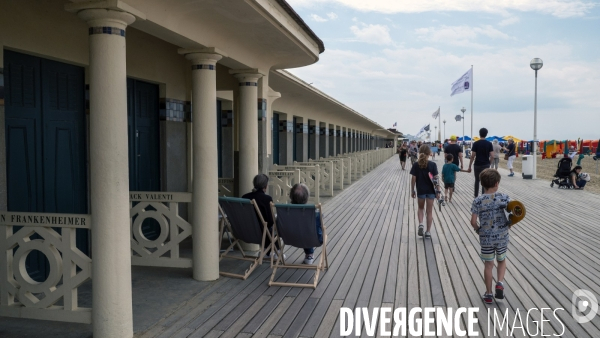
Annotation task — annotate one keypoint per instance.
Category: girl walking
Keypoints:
(422, 186)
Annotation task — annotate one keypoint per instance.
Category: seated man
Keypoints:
(299, 195)
(263, 201)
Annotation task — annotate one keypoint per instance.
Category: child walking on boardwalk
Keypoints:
(449, 171)
(492, 230)
(425, 189)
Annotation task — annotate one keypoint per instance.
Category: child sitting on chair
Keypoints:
(492, 230)
(299, 195)
(449, 171)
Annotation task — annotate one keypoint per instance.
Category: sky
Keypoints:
(395, 61)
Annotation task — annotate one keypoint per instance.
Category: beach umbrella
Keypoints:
(516, 139)
(545, 144)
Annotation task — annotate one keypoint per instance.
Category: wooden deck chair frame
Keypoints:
(322, 264)
(225, 225)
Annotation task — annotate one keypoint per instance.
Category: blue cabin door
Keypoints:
(45, 142)
(144, 147)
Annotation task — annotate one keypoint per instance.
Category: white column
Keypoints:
(205, 188)
(248, 82)
(109, 174)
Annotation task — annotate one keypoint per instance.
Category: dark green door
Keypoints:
(275, 138)
(45, 142)
(142, 111)
(144, 151)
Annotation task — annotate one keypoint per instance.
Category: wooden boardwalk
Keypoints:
(377, 260)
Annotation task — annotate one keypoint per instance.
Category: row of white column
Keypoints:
(109, 175)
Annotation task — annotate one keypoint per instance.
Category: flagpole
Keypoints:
(472, 105)
(440, 124)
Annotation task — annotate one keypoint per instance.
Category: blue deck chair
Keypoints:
(296, 226)
(243, 220)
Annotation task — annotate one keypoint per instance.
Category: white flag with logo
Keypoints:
(423, 130)
(464, 84)
(436, 114)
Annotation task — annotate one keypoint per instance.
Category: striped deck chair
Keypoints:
(242, 218)
(296, 226)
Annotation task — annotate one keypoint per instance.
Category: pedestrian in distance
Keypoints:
(497, 150)
(403, 152)
(413, 151)
(482, 155)
(422, 186)
(492, 230)
(511, 154)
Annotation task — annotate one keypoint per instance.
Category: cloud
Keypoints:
(317, 18)
(460, 35)
(558, 8)
(375, 34)
(509, 21)
(407, 84)
(332, 16)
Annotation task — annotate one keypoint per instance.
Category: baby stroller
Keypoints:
(562, 174)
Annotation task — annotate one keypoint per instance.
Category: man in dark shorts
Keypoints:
(482, 154)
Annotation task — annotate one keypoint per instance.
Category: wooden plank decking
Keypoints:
(377, 260)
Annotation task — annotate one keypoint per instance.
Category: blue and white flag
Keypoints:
(436, 113)
(463, 84)
(423, 130)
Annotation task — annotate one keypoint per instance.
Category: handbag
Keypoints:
(506, 156)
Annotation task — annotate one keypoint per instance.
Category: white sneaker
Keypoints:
(309, 259)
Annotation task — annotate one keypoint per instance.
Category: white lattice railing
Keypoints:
(369, 156)
(338, 168)
(163, 207)
(56, 297)
(280, 184)
(309, 175)
(347, 168)
(352, 166)
(327, 176)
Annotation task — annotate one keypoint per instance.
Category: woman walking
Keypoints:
(403, 152)
(497, 149)
(422, 186)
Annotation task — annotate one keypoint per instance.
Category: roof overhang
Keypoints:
(264, 34)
